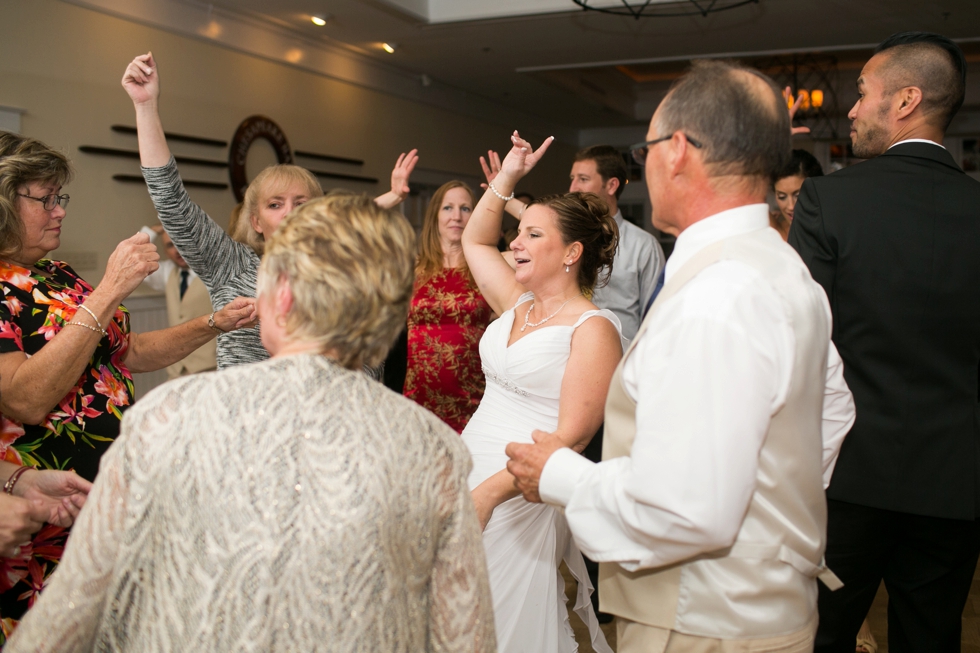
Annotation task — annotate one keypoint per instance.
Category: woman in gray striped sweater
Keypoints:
(228, 268)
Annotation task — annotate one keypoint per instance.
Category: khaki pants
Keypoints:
(633, 637)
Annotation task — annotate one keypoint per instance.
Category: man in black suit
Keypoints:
(893, 241)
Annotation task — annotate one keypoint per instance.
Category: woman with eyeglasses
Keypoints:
(66, 351)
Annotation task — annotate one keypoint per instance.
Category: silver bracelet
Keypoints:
(497, 193)
(89, 311)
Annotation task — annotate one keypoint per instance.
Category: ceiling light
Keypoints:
(389, 47)
(319, 21)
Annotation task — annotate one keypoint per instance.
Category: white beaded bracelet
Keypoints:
(497, 193)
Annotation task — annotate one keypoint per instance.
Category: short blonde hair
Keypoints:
(267, 182)
(350, 267)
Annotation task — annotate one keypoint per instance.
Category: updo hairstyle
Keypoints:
(801, 164)
(24, 160)
(350, 265)
(584, 218)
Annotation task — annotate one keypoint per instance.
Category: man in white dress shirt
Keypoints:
(725, 417)
(639, 258)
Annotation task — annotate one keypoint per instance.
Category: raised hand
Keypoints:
(130, 263)
(787, 94)
(399, 181)
(239, 313)
(402, 171)
(56, 496)
(521, 159)
(141, 80)
(491, 170)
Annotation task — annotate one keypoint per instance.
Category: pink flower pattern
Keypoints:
(36, 305)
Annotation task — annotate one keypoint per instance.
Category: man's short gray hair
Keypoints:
(744, 129)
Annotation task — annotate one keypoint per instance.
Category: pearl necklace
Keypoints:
(527, 316)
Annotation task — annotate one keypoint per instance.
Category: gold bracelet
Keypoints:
(8, 487)
(87, 326)
(214, 327)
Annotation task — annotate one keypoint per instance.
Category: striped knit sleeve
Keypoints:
(209, 251)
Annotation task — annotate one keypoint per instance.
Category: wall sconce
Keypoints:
(389, 47)
(811, 99)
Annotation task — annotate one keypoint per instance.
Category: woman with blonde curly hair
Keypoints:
(238, 513)
(448, 315)
(548, 364)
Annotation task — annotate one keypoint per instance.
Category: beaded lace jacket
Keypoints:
(288, 505)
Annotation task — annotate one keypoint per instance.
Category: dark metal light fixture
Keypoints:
(650, 9)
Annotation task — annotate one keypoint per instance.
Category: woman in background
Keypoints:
(787, 186)
(448, 315)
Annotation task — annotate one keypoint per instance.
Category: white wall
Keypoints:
(62, 64)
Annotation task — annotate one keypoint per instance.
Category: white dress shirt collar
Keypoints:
(918, 140)
(619, 219)
(710, 230)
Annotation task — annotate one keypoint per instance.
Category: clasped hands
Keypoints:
(527, 461)
(51, 496)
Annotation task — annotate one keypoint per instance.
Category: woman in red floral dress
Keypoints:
(63, 390)
(448, 315)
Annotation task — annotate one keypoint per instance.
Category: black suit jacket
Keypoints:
(895, 242)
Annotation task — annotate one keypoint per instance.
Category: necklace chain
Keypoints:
(527, 316)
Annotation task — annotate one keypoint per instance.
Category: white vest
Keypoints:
(196, 302)
(779, 548)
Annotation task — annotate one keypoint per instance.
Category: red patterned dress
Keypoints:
(446, 320)
(36, 304)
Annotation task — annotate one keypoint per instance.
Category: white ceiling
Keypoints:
(446, 11)
(523, 61)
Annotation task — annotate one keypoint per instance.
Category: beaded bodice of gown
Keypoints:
(523, 387)
(238, 513)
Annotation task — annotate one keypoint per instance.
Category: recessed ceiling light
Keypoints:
(319, 21)
(389, 47)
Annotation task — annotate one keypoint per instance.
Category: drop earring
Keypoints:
(566, 268)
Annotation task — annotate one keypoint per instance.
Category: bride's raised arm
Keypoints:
(492, 274)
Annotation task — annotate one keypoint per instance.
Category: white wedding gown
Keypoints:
(525, 542)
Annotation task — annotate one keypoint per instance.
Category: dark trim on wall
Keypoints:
(188, 183)
(198, 140)
(329, 157)
(133, 154)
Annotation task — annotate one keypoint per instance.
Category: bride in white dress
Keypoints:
(548, 367)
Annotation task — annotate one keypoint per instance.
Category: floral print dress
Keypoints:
(446, 320)
(36, 304)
